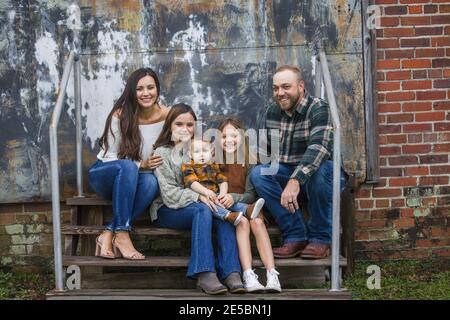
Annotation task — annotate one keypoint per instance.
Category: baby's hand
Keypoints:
(211, 195)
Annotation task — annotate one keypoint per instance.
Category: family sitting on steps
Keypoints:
(138, 168)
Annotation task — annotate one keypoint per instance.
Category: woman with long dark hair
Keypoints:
(123, 170)
(184, 209)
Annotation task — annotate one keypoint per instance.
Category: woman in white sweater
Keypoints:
(123, 172)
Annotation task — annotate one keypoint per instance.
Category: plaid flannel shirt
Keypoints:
(208, 175)
(306, 137)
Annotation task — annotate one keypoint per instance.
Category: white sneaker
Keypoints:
(259, 204)
(251, 282)
(273, 284)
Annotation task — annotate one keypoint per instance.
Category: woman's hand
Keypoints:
(208, 202)
(151, 163)
(226, 200)
(211, 195)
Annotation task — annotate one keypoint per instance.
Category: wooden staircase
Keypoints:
(162, 274)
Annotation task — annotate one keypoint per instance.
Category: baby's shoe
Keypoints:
(251, 282)
(273, 284)
(234, 217)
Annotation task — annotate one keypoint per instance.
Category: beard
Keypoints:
(288, 103)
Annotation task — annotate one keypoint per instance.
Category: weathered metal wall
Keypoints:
(215, 55)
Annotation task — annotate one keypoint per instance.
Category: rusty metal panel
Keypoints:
(217, 56)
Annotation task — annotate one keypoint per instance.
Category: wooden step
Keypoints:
(148, 231)
(193, 294)
(88, 261)
(87, 201)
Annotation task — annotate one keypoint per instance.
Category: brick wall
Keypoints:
(26, 241)
(406, 215)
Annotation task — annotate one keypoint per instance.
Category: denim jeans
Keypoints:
(129, 190)
(317, 191)
(198, 218)
(222, 212)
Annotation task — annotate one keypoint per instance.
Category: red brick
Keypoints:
(398, 75)
(397, 203)
(415, 138)
(391, 172)
(384, 129)
(439, 232)
(440, 169)
(389, 64)
(415, 42)
(388, 43)
(441, 63)
(388, 107)
(434, 73)
(444, 83)
(420, 74)
(396, 10)
(396, 139)
(440, 41)
(416, 106)
(414, 149)
(382, 204)
(400, 96)
(404, 223)
(371, 224)
(440, 19)
(434, 159)
(400, 118)
(387, 193)
(430, 8)
(414, 85)
(415, 9)
(444, 252)
(441, 105)
(402, 182)
(403, 160)
(444, 8)
(396, 54)
(365, 204)
(429, 202)
(432, 181)
(422, 127)
(430, 137)
(431, 95)
(363, 193)
(413, 1)
(417, 171)
(430, 116)
(398, 32)
(430, 52)
(443, 126)
(389, 21)
(407, 212)
(415, 21)
(416, 63)
(388, 86)
(444, 147)
(389, 151)
(428, 31)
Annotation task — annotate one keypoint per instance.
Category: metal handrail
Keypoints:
(324, 74)
(72, 61)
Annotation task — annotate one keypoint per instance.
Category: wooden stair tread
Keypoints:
(193, 294)
(151, 231)
(87, 201)
(170, 261)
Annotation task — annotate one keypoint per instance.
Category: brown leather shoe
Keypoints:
(316, 251)
(234, 217)
(290, 249)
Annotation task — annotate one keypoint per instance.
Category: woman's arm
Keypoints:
(173, 194)
(249, 195)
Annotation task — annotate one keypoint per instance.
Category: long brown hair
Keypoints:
(165, 137)
(127, 108)
(235, 122)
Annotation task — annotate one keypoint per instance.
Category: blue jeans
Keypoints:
(222, 212)
(317, 191)
(198, 218)
(129, 190)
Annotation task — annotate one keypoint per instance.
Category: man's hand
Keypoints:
(289, 195)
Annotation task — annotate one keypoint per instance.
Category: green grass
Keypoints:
(401, 280)
(24, 286)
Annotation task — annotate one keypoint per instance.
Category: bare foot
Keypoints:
(123, 243)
